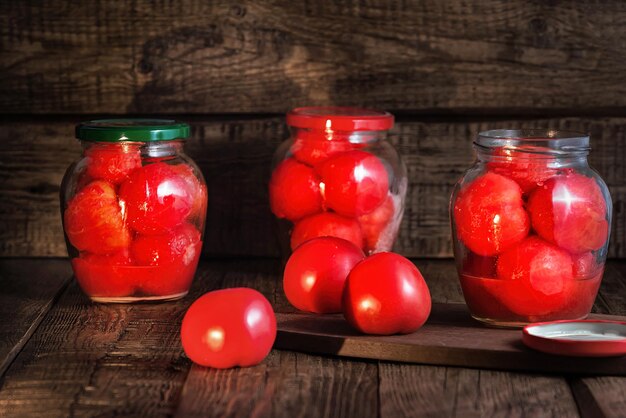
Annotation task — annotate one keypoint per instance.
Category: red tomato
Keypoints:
(537, 276)
(177, 246)
(156, 199)
(489, 214)
(112, 162)
(354, 182)
(581, 295)
(386, 294)
(482, 296)
(294, 191)
(374, 226)
(228, 328)
(93, 220)
(326, 224)
(104, 275)
(479, 266)
(313, 148)
(169, 279)
(527, 169)
(570, 211)
(585, 265)
(316, 272)
(197, 190)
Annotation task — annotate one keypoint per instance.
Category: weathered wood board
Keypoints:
(450, 337)
(189, 56)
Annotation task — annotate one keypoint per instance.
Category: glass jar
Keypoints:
(530, 226)
(337, 175)
(133, 209)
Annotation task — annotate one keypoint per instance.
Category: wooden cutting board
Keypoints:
(449, 338)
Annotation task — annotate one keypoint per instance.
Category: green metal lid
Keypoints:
(138, 130)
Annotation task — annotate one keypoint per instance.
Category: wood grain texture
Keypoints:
(90, 359)
(235, 158)
(605, 396)
(286, 384)
(28, 289)
(428, 391)
(125, 360)
(450, 337)
(267, 56)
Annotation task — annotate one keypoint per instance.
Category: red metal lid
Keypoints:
(340, 118)
(589, 338)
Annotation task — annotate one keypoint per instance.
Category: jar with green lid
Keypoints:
(133, 209)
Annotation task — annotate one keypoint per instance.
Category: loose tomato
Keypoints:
(326, 224)
(228, 328)
(386, 294)
(570, 211)
(112, 162)
(316, 272)
(535, 277)
(354, 182)
(93, 220)
(489, 214)
(294, 191)
(156, 199)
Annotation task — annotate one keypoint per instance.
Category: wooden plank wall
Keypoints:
(447, 69)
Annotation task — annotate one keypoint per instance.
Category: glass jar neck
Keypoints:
(148, 149)
(525, 158)
(537, 146)
(355, 137)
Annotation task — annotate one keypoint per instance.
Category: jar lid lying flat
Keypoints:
(589, 338)
(139, 130)
(340, 118)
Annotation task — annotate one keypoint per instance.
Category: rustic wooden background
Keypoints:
(447, 69)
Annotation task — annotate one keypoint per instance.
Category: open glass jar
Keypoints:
(337, 175)
(530, 224)
(133, 208)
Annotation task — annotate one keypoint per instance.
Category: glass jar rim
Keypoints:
(340, 118)
(132, 129)
(540, 141)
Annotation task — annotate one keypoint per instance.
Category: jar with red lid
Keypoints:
(530, 223)
(337, 175)
(133, 209)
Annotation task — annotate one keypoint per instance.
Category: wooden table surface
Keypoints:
(61, 355)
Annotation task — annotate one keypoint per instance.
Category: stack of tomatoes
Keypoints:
(329, 186)
(381, 294)
(135, 224)
(531, 237)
